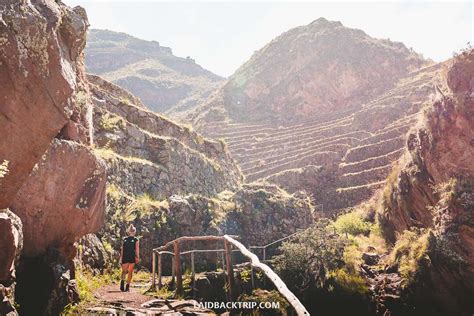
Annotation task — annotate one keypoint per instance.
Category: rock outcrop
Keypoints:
(257, 214)
(47, 98)
(51, 179)
(432, 190)
(63, 198)
(40, 73)
(165, 83)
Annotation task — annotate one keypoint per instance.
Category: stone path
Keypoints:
(112, 301)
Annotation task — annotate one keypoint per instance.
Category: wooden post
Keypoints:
(177, 264)
(153, 271)
(224, 273)
(193, 274)
(229, 268)
(264, 259)
(160, 284)
(173, 271)
(223, 262)
(252, 277)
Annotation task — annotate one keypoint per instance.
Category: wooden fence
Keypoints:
(228, 242)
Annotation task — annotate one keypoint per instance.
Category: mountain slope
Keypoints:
(322, 108)
(163, 81)
(311, 70)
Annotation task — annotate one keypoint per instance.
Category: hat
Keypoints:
(131, 230)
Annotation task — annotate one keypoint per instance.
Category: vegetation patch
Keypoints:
(349, 281)
(3, 169)
(87, 285)
(410, 253)
(353, 224)
(111, 122)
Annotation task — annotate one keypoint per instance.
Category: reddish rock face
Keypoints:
(439, 151)
(55, 186)
(434, 189)
(63, 198)
(40, 72)
(451, 123)
(10, 243)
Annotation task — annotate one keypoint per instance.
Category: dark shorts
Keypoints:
(128, 260)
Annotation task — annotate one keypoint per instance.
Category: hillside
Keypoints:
(308, 71)
(164, 174)
(83, 158)
(164, 82)
(322, 108)
(384, 150)
(409, 249)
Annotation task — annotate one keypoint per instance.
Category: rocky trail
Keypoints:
(111, 301)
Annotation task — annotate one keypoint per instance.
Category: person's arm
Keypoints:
(121, 253)
(137, 251)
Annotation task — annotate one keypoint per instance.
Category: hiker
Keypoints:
(129, 256)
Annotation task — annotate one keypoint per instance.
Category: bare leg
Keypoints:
(130, 272)
(124, 270)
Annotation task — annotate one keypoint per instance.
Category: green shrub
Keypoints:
(308, 259)
(350, 282)
(352, 223)
(410, 250)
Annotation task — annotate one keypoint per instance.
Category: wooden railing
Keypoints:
(226, 251)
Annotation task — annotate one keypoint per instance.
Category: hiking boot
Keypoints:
(127, 288)
(122, 285)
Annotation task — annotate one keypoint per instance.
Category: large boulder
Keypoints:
(49, 176)
(40, 77)
(63, 198)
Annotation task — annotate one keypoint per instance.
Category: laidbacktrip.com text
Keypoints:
(238, 305)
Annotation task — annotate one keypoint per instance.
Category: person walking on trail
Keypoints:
(129, 256)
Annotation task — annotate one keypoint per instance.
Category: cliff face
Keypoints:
(50, 177)
(37, 76)
(432, 189)
(164, 82)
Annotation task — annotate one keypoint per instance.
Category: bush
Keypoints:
(111, 122)
(352, 223)
(307, 260)
(349, 282)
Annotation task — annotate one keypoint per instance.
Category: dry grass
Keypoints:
(111, 122)
(3, 169)
(409, 251)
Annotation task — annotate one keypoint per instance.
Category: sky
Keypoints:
(222, 35)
